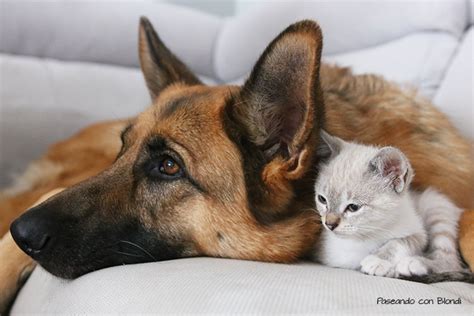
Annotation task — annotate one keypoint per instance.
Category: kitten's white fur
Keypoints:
(396, 231)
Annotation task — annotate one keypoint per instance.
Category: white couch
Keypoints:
(66, 64)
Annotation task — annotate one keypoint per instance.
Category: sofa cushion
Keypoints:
(346, 25)
(455, 96)
(417, 60)
(471, 10)
(218, 286)
(44, 101)
(105, 32)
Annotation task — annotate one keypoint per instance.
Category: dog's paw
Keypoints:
(409, 266)
(374, 265)
(15, 268)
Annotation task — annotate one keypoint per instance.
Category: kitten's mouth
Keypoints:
(345, 232)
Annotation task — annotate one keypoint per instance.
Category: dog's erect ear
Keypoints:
(159, 65)
(392, 165)
(281, 104)
(329, 146)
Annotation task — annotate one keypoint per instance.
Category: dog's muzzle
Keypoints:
(70, 236)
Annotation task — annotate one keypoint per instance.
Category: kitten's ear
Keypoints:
(393, 165)
(329, 146)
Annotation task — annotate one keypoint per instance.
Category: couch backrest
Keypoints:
(104, 32)
(224, 49)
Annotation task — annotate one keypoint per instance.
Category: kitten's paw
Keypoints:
(409, 266)
(374, 265)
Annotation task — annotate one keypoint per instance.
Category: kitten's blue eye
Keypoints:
(352, 207)
(322, 199)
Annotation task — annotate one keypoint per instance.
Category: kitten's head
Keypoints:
(359, 188)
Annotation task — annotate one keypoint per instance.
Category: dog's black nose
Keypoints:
(32, 233)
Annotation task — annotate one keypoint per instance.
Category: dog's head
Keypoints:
(220, 171)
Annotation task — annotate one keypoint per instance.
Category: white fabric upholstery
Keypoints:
(418, 60)
(104, 31)
(347, 26)
(220, 286)
(44, 101)
(455, 95)
(470, 3)
(90, 73)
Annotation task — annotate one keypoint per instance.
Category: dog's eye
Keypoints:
(353, 207)
(169, 167)
(165, 167)
(321, 199)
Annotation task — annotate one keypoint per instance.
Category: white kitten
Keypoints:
(373, 222)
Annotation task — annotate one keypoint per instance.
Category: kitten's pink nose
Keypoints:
(332, 221)
(332, 226)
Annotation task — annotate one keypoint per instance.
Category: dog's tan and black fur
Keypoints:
(220, 171)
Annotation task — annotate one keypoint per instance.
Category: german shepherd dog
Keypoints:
(222, 171)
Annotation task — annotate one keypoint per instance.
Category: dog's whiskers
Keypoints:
(139, 247)
(128, 254)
